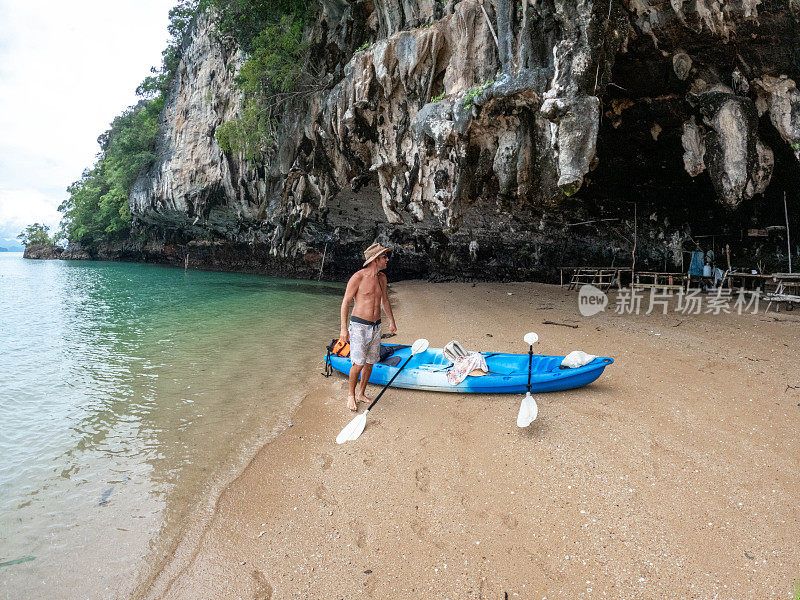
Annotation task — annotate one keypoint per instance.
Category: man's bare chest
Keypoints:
(369, 288)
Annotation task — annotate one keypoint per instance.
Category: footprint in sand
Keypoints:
(510, 521)
(263, 589)
(322, 494)
(326, 460)
(358, 530)
(368, 456)
(423, 533)
(423, 479)
(419, 528)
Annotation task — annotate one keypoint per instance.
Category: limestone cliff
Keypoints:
(489, 139)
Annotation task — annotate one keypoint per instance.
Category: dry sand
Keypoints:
(674, 475)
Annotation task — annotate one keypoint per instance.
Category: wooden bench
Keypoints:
(787, 289)
(658, 280)
(600, 277)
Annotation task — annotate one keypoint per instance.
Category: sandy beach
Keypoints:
(674, 475)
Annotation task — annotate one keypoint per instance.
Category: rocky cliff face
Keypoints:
(490, 139)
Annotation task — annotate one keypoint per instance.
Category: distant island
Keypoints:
(20, 249)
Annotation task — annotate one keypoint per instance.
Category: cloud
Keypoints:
(19, 208)
(66, 70)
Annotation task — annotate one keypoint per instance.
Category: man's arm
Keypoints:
(349, 294)
(387, 306)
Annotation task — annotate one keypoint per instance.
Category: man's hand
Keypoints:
(344, 335)
(392, 328)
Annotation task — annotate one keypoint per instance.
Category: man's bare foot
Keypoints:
(351, 403)
(364, 399)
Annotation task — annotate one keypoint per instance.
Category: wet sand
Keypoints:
(674, 475)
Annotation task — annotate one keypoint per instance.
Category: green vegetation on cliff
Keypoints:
(97, 209)
(181, 17)
(270, 32)
(245, 20)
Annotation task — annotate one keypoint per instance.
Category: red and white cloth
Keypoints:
(464, 366)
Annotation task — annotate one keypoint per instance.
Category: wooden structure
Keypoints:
(746, 281)
(600, 277)
(658, 280)
(775, 287)
(787, 289)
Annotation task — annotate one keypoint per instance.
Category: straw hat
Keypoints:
(374, 252)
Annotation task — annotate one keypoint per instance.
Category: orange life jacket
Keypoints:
(340, 348)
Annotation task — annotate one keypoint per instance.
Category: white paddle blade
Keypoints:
(419, 346)
(528, 411)
(353, 429)
(531, 338)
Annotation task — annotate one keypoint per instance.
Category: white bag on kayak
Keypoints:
(474, 361)
(576, 358)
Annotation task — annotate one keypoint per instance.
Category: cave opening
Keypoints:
(641, 166)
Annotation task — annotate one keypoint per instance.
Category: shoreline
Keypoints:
(146, 385)
(201, 514)
(598, 489)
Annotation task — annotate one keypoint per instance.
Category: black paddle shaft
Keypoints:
(530, 366)
(390, 382)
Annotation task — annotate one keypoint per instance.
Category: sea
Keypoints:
(130, 395)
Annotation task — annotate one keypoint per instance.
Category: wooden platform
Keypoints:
(600, 277)
(659, 280)
(786, 290)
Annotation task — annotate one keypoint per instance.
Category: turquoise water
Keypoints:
(128, 393)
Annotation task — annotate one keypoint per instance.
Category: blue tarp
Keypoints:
(696, 264)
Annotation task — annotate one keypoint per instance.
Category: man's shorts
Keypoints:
(365, 341)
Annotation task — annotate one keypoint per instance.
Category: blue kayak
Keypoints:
(508, 373)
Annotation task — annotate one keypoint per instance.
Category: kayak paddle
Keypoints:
(355, 427)
(528, 408)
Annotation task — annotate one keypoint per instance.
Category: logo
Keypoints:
(591, 300)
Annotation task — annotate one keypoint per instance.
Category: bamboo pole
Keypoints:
(633, 253)
(788, 235)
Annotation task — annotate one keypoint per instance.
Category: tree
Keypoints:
(36, 235)
(97, 209)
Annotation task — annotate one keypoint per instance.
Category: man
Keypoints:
(368, 289)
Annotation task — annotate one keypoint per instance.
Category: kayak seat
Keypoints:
(391, 361)
(453, 350)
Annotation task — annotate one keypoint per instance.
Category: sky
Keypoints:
(66, 70)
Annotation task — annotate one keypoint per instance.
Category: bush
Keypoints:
(36, 235)
(98, 205)
(266, 80)
(245, 20)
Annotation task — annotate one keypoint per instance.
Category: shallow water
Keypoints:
(125, 390)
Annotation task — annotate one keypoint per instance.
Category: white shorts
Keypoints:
(365, 342)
